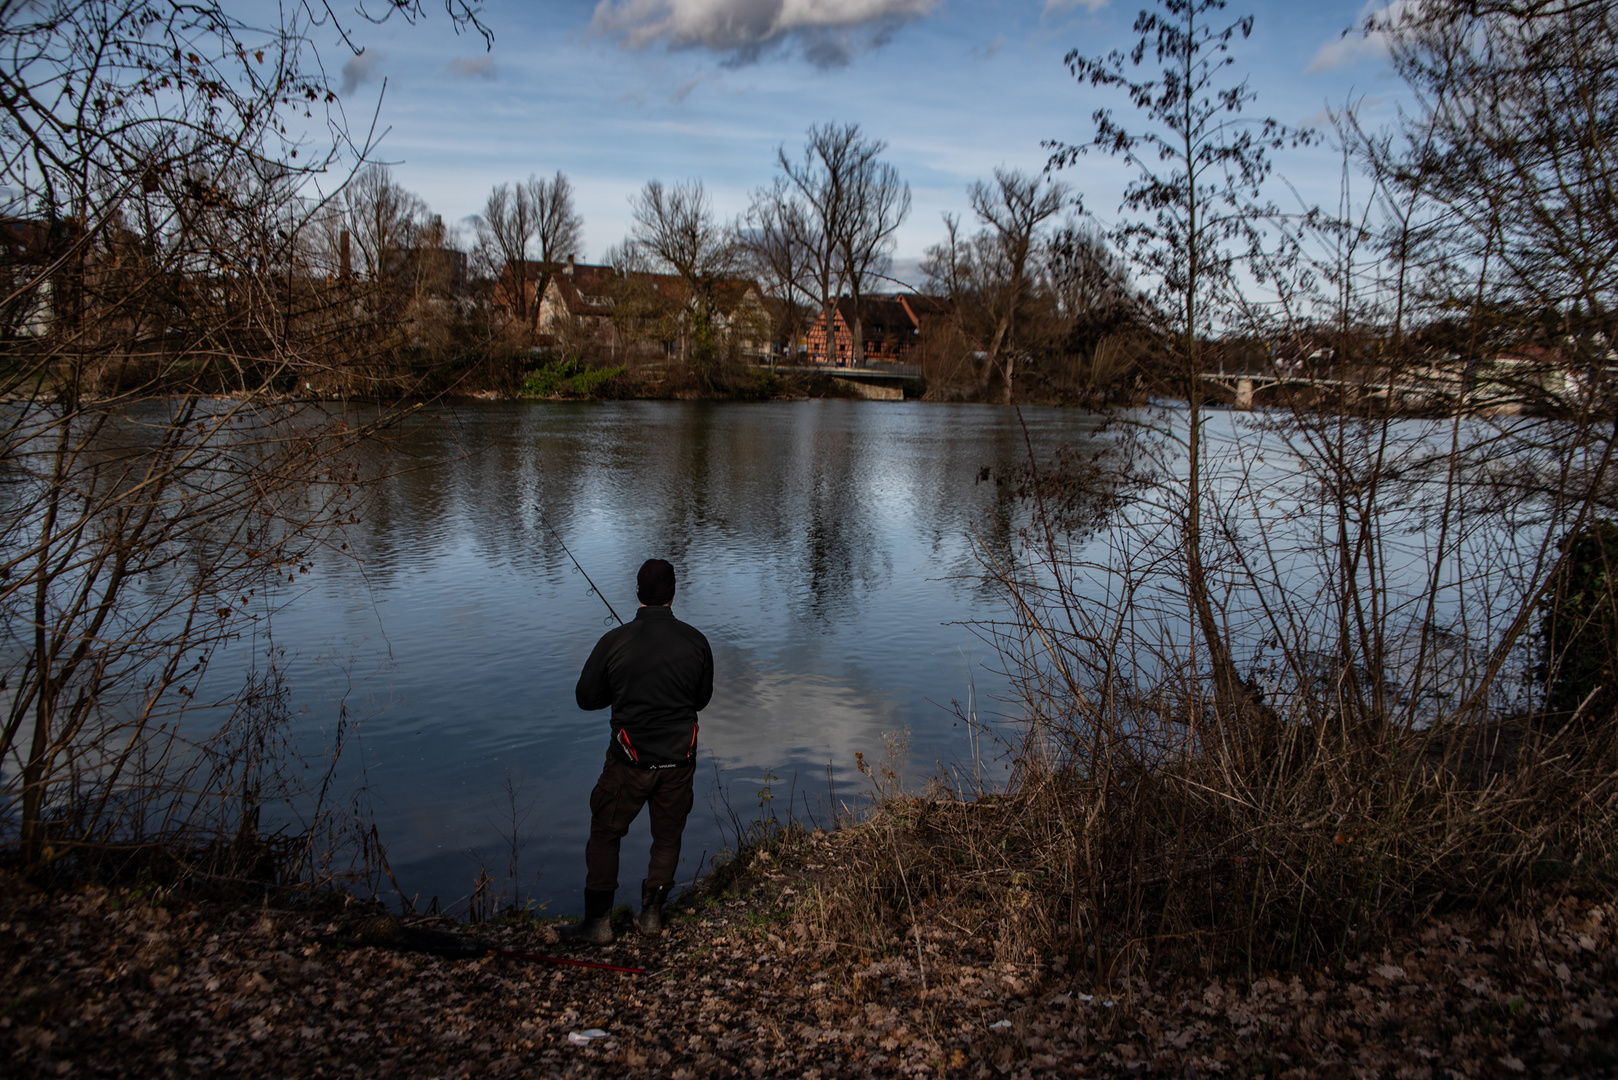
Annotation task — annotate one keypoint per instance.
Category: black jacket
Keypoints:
(657, 674)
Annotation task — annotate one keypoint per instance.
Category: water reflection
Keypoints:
(822, 547)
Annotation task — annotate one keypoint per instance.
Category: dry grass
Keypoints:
(1167, 809)
(1318, 855)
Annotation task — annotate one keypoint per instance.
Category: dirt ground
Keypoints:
(103, 982)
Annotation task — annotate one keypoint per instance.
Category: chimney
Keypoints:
(569, 270)
(345, 267)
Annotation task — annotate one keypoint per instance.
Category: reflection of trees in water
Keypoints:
(414, 497)
(1079, 478)
(719, 484)
(471, 477)
(838, 550)
(804, 498)
(681, 495)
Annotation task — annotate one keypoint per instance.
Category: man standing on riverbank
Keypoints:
(657, 673)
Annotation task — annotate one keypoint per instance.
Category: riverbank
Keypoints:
(126, 982)
(572, 379)
(569, 380)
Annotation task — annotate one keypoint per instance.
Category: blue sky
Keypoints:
(622, 91)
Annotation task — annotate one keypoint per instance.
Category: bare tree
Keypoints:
(535, 218)
(1496, 235)
(505, 231)
(1019, 291)
(1198, 167)
(675, 227)
(1088, 279)
(384, 222)
(946, 266)
(170, 309)
(626, 257)
(852, 205)
(1014, 208)
(404, 274)
(1519, 128)
(558, 228)
(779, 251)
(826, 178)
(1095, 316)
(879, 203)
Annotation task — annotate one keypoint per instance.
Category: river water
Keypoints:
(824, 548)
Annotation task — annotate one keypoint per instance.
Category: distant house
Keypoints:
(616, 309)
(744, 316)
(579, 299)
(79, 271)
(521, 286)
(25, 252)
(891, 329)
(24, 239)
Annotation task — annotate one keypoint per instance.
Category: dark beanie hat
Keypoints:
(655, 583)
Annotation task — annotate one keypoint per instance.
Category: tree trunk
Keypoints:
(992, 358)
(539, 304)
(519, 289)
(1247, 725)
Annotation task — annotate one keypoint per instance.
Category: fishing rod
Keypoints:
(543, 520)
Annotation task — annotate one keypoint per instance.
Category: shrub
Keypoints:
(1579, 628)
(568, 377)
(1159, 814)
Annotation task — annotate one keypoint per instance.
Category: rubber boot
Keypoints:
(652, 900)
(596, 929)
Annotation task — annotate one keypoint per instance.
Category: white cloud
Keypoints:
(1059, 7)
(1368, 40)
(828, 32)
(361, 69)
(477, 67)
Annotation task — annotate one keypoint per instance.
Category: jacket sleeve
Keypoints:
(705, 680)
(594, 691)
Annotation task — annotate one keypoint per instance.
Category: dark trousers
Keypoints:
(614, 805)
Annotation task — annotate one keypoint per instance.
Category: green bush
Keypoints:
(568, 377)
(586, 383)
(547, 380)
